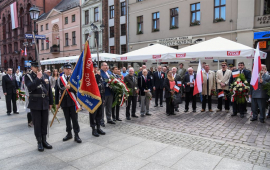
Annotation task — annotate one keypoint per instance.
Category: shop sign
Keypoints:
(262, 44)
(176, 41)
(261, 35)
(262, 20)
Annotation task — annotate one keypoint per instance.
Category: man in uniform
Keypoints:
(68, 104)
(95, 118)
(40, 101)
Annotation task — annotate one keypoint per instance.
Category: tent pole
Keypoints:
(218, 64)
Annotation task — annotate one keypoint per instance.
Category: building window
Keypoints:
(73, 18)
(123, 49)
(66, 38)
(86, 36)
(47, 43)
(174, 18)
(123, 29)
(123, 8)
(73, 38)
(155, 21)
(42, 44)
(139, 0)
(86, 18)
(16, 46)
(220, 10)
(9, 48)
(111, 11)
(266, 10)
(47, 26)
(66, 20)
(195, 14)
(111, 32)
(112, 51)
(140, 25)
(96, 14)
(41, 28)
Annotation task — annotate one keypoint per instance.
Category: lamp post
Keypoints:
(95, 29)
(34, 14)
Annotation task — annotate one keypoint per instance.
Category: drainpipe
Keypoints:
(80, 28)
(127, 38)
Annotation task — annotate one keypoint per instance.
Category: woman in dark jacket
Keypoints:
(169, 84)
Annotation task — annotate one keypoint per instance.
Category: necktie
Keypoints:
(145, 79)
(159, 74)
(10, 77)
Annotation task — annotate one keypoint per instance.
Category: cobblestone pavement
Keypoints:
(215, 125)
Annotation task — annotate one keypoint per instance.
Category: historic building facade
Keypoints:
(62, 28)
(11, 40)
(193, 21)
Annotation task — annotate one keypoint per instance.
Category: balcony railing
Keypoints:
(55, 49)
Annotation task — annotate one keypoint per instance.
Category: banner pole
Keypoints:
(58, 106)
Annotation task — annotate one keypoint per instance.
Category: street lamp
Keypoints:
(95, 29)
(34, 14)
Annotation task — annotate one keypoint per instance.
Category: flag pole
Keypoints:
(58, 106)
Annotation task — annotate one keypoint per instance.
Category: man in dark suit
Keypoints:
(140, 75)
(116, 108)
(108, 94)
(145, 86)
(240, 107)
(189, 87)
(132, 83)
(158, 86)
(40, 102)
(10, 86)
(178, 80)
(68, 104)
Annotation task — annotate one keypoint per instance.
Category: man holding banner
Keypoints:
(69, 103)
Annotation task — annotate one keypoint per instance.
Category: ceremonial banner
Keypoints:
(256, 68)
(198, 81)
(14, 16)
(84, 82)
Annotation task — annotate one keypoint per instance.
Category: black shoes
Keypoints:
(194, 111)
(45, 143)
(142, 115)
(262, 121)
(173, 114)
(99, 131)
(234, 114)
(177, 110)
(161, 105)
(119, 120)
(135, 116)
(16, 113)
(94, 132)
(77, 138)
(69, 136)
(102, 124)
(148, 114)
(186, 110)
(128, 118)
(40, 145)
(156, 105)
(8, 114)
(253, 119)
(114, 120)
(111, 122)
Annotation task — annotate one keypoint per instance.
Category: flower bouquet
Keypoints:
(20, 95)
(239, 89)
(121, 91)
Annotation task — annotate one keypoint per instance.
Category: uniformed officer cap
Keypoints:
(67, 66)
(231, 65)
(34, 63)
(95, 64)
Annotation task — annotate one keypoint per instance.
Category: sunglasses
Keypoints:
(223, 65)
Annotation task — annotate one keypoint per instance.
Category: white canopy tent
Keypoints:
(154, 52)
(73, 59)
(216, 48)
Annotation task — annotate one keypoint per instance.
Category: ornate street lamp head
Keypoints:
(34, 12)
(102, 27)
(94, 28)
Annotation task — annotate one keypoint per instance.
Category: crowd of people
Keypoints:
(169, 85)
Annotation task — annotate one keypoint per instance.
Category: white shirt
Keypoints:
(17, 77)
(174, 75)
(191, 78)
(207, 75)
(107, 74)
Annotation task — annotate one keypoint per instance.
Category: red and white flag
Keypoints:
(176, 88)
(198, 81)
(179, 83)
(14, 15)
(25, 52)
(235, 74)
(22, 52)
(256, 68)
(221, 94)
(47, 41)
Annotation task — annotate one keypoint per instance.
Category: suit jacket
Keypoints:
(144, 85)
(182, 73)
(100, 84)
(59, 90)
(167, 88)
(211, 80)
(108, 90)
(260, 93)
(247, 74)
(187, 80)
(9, 86)
(39, 86)
(158, 82)
(223, 79)
(132, 84)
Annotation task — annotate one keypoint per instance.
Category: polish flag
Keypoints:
(221, 94)
(179, 83)
(25, 52)
(22, 52)
(176, 88)
(256, 69)
(236, 74)
(14, 15)
(198, 81)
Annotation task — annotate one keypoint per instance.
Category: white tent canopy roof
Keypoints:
(73, 59)
(153, 52)
(217, 48)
